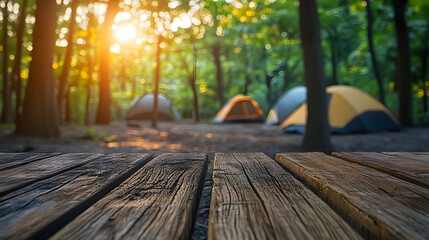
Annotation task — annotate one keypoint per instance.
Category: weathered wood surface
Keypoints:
(11, 160)
(15, 178)
(40, 209)
(254, 198)
(419, 156)
(410, 167)
(378, 205)
(158, 202)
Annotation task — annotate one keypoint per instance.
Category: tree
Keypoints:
(67, 59)
(424, 62)
(370, 22)
(219, 72)
(403, 63)
(105, 99)
(316, 136)
(192, 77)
(16, 71)
(157, 80)
(5, 115)
(39, 115)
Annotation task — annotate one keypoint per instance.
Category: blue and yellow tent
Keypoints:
(286, 105)
(350, 110)
(240, 108)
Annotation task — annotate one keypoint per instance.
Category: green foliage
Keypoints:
(259, 41)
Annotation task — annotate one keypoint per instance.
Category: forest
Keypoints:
(83, 61)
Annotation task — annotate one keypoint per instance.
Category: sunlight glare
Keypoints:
(125, 32)
(122, 16)
(115, 49)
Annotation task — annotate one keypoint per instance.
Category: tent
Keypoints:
(240, 108)
(286, 104)
(142, 108)
(350, 110)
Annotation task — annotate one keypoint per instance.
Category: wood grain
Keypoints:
(410, 167)
(39, 210)
(418, 156)
(376, 204)
(15, 178)
(12, 160)
(158, 202)
(254, 198)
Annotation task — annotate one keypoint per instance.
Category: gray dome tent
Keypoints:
(142, 108)
(286, 105)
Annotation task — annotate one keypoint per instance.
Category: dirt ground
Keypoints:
(188, 136)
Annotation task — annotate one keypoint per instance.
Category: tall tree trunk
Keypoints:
(105, 98)
(403, 63)
(267, 77)
(16, 72)
(192, 77)
(157, 80)
(219, 73)
(5, 114)
(194, 90)
(39, 114)
(246, 72)
(67, 59)
(370, 22)
(317, 136)
(424, 60)
(68, 110)
(88, 85)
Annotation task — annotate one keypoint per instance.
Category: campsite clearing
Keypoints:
(188, 136)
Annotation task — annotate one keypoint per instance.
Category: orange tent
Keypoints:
(240, 108)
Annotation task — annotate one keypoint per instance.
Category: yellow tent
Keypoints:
(240, 108)
(349, 110)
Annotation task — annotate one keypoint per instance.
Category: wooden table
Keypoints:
(136, 196)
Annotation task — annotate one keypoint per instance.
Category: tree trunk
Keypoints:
(219, 73)
(317, 136)
(67, 59)
(194, 90)
(370, 22)
(105, 99)
(403, 64)
(39, 115)
(192, 77)
(246, 72)
(268, 78)
(424, 60)
(68, 110)
(5, 115)
(88, 88)
(157, 79)
(16, 72)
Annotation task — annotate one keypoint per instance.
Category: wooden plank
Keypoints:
(22, 176)
(418, 156)
(376, 204)
(12, 160)
(158, 202)
(254, 198)
(39, 210)
(406, 166)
